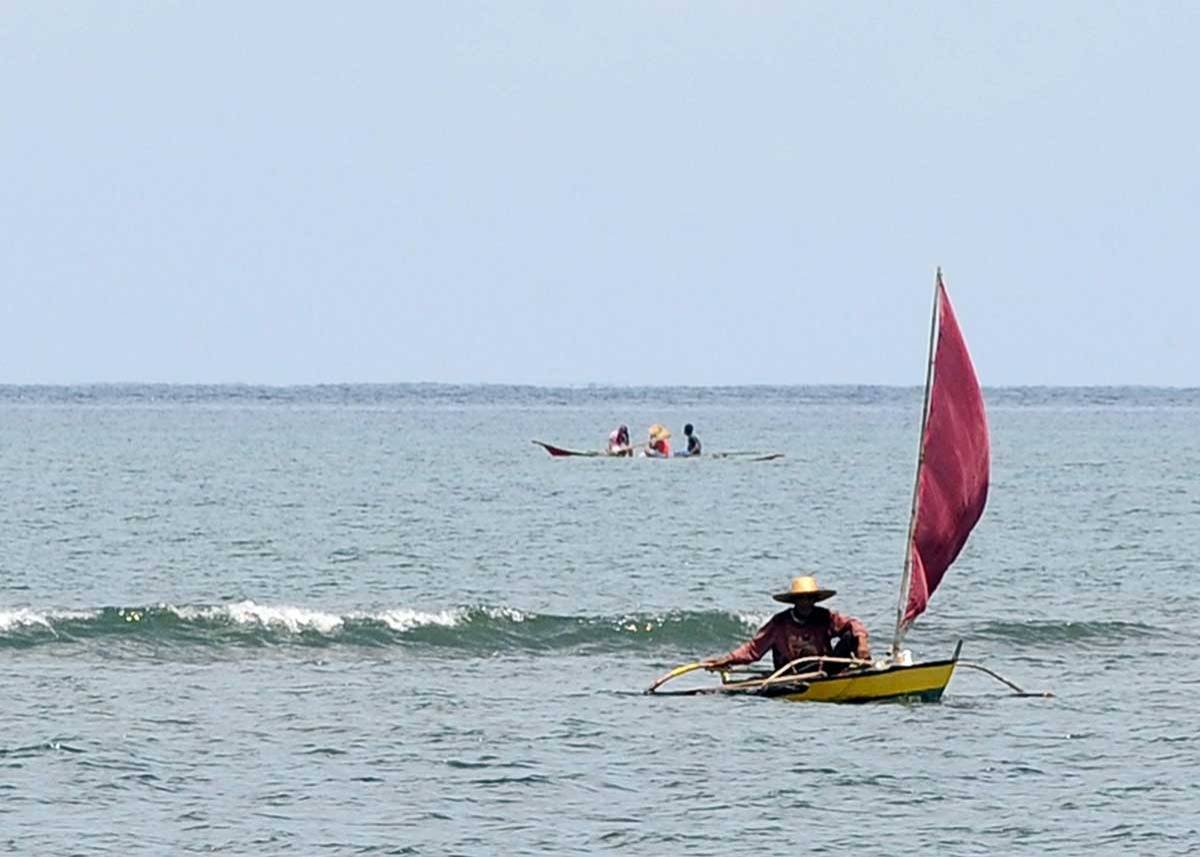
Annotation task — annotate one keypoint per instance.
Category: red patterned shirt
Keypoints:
(788, 638)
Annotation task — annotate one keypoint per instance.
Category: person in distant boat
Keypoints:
(658, 446)
(804, 630)
(618, 441)
(693, 442)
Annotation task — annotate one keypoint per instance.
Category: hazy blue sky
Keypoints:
(565, 193)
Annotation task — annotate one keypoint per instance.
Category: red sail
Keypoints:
(953, 482)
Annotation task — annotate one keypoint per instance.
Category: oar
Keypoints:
(675, 673)
(696, 691)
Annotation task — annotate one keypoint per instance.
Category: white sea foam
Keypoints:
(295, 619)
(298, 619)
(25, 617)
(508, 613)
(282, 616)
(752, 620)
(403, 619)
(21, 618)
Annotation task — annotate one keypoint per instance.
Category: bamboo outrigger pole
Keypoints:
(906, 578)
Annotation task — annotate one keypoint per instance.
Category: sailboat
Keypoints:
(949, 495)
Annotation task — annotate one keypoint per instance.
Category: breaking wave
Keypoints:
(479, 630)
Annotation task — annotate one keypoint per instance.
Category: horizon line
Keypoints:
(582, 386)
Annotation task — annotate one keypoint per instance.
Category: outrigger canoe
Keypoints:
(950, 491)
(805, 680)
(562, 452)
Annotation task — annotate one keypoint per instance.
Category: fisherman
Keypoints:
(803, 631)
(618, 441)
(693, 442)
(658, 446)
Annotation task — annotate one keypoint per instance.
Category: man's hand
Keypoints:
(714, 664)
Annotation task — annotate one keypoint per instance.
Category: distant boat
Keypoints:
(950, 491)
(561, 452)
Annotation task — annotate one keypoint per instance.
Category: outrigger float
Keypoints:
(950, 491)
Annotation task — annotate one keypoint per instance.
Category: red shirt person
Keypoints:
(658, 446)
(803, 631)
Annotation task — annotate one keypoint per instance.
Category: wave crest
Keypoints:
(480, 629)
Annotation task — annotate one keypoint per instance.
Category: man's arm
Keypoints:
(848, 625)
(748, 652)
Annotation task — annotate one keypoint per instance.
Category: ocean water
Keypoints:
(378, 620)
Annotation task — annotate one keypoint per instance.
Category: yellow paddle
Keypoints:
(676, 673)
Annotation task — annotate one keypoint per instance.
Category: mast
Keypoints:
(906, 578)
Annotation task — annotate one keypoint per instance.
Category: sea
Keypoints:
(379, 620)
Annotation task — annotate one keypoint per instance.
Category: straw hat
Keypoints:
(659, 432)
(804, 589)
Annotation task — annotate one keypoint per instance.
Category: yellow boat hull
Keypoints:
(924, 682)
(920, 682)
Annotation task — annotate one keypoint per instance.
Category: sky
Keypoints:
(568, 193)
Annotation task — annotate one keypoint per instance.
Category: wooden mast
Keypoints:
(906, 578)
